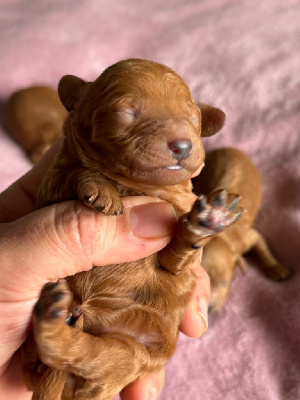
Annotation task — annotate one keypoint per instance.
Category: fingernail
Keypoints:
(153, 393)
(202, 310)
(152, 220)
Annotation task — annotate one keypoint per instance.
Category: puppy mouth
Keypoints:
(162, 175)
(174, 167)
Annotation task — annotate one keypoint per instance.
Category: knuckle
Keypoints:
(73, 226)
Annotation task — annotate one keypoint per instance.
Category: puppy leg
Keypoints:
(51, 385)
(108, 362)
(95, 390)
(66, 183)
(270, 266)
(207, 217)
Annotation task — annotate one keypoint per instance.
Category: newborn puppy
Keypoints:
(233, 170)
(34, 118)
(134, 131)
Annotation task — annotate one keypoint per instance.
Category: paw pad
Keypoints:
(54, 301)
(212, 214)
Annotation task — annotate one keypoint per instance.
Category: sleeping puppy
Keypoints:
(134, 131)
(34, 118)
(232, 169)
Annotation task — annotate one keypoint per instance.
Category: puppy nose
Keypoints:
(181, 148)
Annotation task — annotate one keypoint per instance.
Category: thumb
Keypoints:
(69, 237)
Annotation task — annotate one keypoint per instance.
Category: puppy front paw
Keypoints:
(101, 197)
(208, 216)
(212, 214)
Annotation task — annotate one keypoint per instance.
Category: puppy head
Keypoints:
(140, 122)
(219, 262)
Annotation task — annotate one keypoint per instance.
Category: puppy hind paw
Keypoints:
(54, 302)
(278, 272)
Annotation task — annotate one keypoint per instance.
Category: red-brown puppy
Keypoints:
(134, 131)
(231, 169)
(34, 118)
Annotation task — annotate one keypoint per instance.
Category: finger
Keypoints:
(146, 388)
(195, 320)
(69, 237)
(20, 198)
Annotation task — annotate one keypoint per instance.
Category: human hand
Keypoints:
(63, 239)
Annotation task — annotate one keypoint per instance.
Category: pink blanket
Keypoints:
(242, 56)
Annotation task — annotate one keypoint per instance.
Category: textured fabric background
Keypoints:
(242, 56)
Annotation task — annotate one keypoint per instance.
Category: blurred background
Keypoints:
(241, 56)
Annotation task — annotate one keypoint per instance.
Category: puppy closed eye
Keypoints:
(195, 120)
(194, 114)
(126, 116)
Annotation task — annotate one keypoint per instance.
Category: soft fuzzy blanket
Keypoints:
(242, 56)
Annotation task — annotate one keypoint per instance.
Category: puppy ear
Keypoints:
(70, 89)
(212, 119)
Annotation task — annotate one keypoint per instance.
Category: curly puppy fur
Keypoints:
(134, 131)
(233, 170)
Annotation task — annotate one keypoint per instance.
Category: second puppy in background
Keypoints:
(34, 118)
(233, 170)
